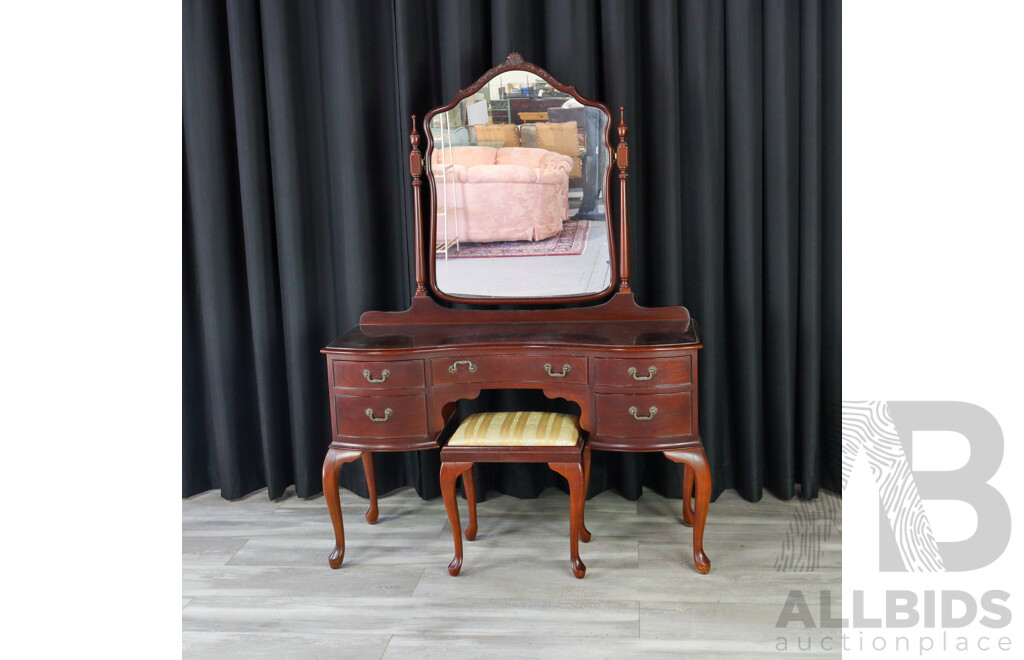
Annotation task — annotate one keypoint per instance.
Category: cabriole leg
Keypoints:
(695, 459)
(371, 485)
(332, 464)
(687, 495)
(584, 532)
(573, 472)
(469, 483)
(449, 473)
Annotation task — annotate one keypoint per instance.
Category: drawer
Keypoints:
(380, 416)
(631, 415)
(379, 375)
(522, 368)
(640, 372)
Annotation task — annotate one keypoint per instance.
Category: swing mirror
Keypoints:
(519, 167)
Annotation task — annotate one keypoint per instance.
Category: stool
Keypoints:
(517, 437)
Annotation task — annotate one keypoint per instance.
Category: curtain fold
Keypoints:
(298, 217)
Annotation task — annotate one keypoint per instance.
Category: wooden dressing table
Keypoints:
(395, 379)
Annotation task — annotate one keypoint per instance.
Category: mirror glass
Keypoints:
(519, 172)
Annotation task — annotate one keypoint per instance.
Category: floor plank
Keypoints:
(218, 645)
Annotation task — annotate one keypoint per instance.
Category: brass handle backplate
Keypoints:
(650, 373)
(565, 370)
(652, 410)
(455, 366)
(370, 379)
(387, 415)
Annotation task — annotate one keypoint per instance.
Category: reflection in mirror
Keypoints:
(519, 172)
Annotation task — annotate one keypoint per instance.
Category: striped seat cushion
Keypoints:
(517, 429)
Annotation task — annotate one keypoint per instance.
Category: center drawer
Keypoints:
(381, 416)
(522, 368)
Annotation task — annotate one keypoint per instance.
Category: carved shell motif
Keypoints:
(514, 59)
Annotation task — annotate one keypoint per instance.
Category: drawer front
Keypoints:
(523, 368)
(640, 372)
(644, 415)
(380, 416)
(377, 375)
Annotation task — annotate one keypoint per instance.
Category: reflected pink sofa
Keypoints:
(508, 194)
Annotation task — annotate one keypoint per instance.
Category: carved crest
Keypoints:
(514, 59)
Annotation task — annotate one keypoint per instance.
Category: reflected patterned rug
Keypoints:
(571, 240)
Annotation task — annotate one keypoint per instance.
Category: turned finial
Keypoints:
(622, 150)
(415, 157)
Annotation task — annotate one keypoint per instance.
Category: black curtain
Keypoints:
(297, 217)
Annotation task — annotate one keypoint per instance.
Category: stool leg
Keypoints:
(584, 532)
(687, 495)
(469, 483)
(332, 464)
(449, 473)
(696, 459)
(371, 485)
(573, 472)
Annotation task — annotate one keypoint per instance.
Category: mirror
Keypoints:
(519, 170)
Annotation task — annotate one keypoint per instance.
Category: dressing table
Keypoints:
(395, 379)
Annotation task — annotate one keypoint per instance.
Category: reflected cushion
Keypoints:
(506, 133)
(517, 429)
(562, 138)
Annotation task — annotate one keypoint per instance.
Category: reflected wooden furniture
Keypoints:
(526, 117)
(519, 105)
(633, 371)
(505, 440)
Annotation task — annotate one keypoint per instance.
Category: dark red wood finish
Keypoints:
(509, 349)
(551, 368)
(622, 161)
(513, 355)
(654, 372)
(644, 415)
(573, 463)
(369, 416)
(373, 375)
(415, 169)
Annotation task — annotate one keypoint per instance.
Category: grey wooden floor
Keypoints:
(255, 579)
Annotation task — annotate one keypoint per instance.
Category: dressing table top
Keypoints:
(608, 335)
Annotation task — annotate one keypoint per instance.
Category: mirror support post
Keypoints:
(622, 161)
(416, 168)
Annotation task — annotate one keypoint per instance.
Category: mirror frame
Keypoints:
(515, 62)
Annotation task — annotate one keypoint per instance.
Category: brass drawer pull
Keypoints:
(652, 410)
(370, 379)
(455, 366)
(565, 370)
(387, 414)
(650, 371)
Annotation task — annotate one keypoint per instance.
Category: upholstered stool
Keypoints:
(517, 437)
